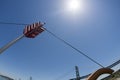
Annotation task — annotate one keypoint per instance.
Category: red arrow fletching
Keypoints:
(31, 31)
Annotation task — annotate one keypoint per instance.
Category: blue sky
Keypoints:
(94, 30)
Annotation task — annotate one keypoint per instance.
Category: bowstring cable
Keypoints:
(91, 59)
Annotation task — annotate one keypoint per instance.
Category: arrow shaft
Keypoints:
(10, 43)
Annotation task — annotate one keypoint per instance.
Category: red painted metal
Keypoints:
(31, 31)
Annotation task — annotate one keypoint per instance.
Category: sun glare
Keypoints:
(73, 5)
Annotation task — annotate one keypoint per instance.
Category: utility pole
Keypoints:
(77, 74)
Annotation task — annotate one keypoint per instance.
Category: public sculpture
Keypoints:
(99, 72)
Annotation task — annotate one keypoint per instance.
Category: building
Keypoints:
(2, 77)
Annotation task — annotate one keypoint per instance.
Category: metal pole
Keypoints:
(10, 43)
(77, 73)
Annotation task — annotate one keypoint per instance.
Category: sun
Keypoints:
(73, 5)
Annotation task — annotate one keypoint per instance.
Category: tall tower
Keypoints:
(30, 78)
(77, 74)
